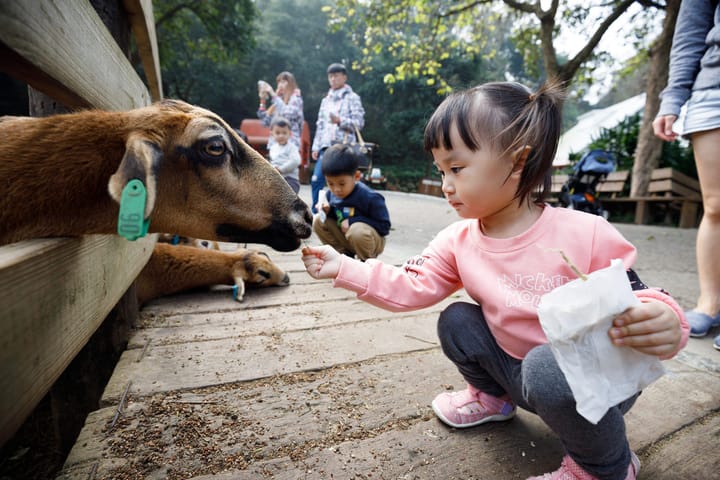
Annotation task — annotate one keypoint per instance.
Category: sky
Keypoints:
(615, 41)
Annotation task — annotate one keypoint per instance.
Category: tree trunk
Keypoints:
(649, 147)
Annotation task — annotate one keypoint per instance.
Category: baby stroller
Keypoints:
(580, 190)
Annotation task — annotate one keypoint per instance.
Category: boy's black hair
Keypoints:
(340, 159)
(337, 68)
(280, 122)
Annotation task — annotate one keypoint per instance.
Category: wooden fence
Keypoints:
(54, 293)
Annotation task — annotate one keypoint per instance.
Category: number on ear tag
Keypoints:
(131, 219)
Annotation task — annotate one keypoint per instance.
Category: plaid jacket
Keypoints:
(347, 105)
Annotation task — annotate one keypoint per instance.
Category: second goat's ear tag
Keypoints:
(131, 219)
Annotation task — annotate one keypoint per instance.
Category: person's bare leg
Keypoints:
(706, 146)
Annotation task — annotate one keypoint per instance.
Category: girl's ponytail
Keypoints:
(541, 130)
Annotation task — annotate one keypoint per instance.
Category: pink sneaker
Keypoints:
(471, 407)
(569, 470)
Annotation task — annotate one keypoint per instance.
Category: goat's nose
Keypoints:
(302, 207)
(300, 220)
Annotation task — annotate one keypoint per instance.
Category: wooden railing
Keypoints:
(54, 293)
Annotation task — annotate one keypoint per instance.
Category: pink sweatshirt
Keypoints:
(505, 276)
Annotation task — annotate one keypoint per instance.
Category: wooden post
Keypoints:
(77, 391)
(642, 212)
(688, 214)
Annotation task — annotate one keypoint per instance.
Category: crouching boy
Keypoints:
(351, 217)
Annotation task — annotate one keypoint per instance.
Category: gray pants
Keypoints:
(536, 384)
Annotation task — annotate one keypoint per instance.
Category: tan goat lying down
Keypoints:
(176, 268)
(64, 175)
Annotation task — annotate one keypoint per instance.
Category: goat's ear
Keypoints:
(141, 161)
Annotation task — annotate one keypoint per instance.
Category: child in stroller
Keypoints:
(580, 190)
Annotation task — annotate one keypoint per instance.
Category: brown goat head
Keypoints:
(201, 179)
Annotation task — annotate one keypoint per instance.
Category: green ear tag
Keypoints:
(131, 219)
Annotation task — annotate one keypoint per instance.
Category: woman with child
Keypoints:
(286, 102)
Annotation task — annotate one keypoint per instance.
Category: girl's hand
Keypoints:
(345, 225)
(321, 262)
(662, 126)
(651, 328)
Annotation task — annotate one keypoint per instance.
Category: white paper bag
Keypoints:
(322, 201)
(576, 318)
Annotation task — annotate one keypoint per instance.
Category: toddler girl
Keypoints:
(494, 146)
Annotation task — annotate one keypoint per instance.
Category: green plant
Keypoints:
(404, 178)
(622, 140)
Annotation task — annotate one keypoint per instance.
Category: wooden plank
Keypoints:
(16, 66)
(237, 359)
(618, 176)
(676, 175)
(53, 295)
(558, 180)
(197, 327)
(142, 21)
(614, 183)
(672, 188)
(685, 454)
(220, 299)
(610, 187)
(302, 415)
(341, 422)
(55, 38)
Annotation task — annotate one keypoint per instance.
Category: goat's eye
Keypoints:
(215, 148)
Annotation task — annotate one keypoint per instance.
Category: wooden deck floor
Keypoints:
(303, 382)
(307, 382)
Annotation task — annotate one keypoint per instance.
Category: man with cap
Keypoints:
(340, 112)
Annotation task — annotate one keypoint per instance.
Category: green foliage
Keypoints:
(397, 121)
(423, 35)
(201, 45)
(405, 178)
(420, 36)
(214, 52)
(292, 35)
(394, 121)
(622, 140)
(679, 155)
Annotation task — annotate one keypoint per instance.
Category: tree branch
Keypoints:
(462, 8)
(568, 70)
(175, 10)
(522, 6)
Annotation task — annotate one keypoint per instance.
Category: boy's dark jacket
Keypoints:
(362, 205)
